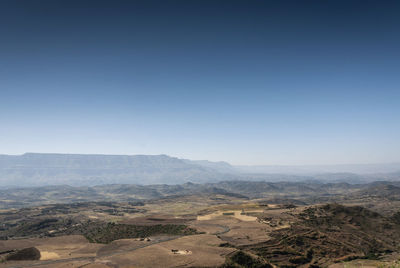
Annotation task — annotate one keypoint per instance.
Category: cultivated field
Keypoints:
(205, 230)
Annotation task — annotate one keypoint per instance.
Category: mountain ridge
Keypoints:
(37, 169)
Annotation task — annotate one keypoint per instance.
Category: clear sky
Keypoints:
(248, 82)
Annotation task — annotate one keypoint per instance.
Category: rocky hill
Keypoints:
(331, 233)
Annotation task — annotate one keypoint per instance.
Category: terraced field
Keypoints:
(215, 232)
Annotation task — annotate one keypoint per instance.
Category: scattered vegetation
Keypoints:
(240, 259)
(295, 234)
(109, 232)
(332, 232)
(25, 254)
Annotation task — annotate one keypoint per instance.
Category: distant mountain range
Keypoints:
(38, 169)
(76, 169)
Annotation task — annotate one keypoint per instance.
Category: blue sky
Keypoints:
(248, 82)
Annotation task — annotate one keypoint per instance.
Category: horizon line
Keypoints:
(218, 161)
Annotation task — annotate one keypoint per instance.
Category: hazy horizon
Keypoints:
(246, 82)
(214, 161)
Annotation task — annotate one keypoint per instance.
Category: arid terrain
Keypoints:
(199, 133)
(228, 224)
